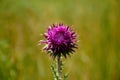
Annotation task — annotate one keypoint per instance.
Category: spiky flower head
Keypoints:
(60, 40)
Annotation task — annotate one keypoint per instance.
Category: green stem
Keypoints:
(59, 67)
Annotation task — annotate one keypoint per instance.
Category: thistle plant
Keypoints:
(60, 42)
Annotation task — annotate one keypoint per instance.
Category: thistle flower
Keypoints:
(60, 40)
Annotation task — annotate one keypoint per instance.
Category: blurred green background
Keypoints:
(97, 23)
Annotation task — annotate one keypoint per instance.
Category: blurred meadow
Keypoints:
(97, 22)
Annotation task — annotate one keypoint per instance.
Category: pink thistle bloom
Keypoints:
(60, 40)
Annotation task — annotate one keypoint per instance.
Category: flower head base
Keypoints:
(60, 40)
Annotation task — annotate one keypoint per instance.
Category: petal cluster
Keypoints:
(60, 40)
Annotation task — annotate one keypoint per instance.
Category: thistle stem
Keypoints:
(59, 68)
